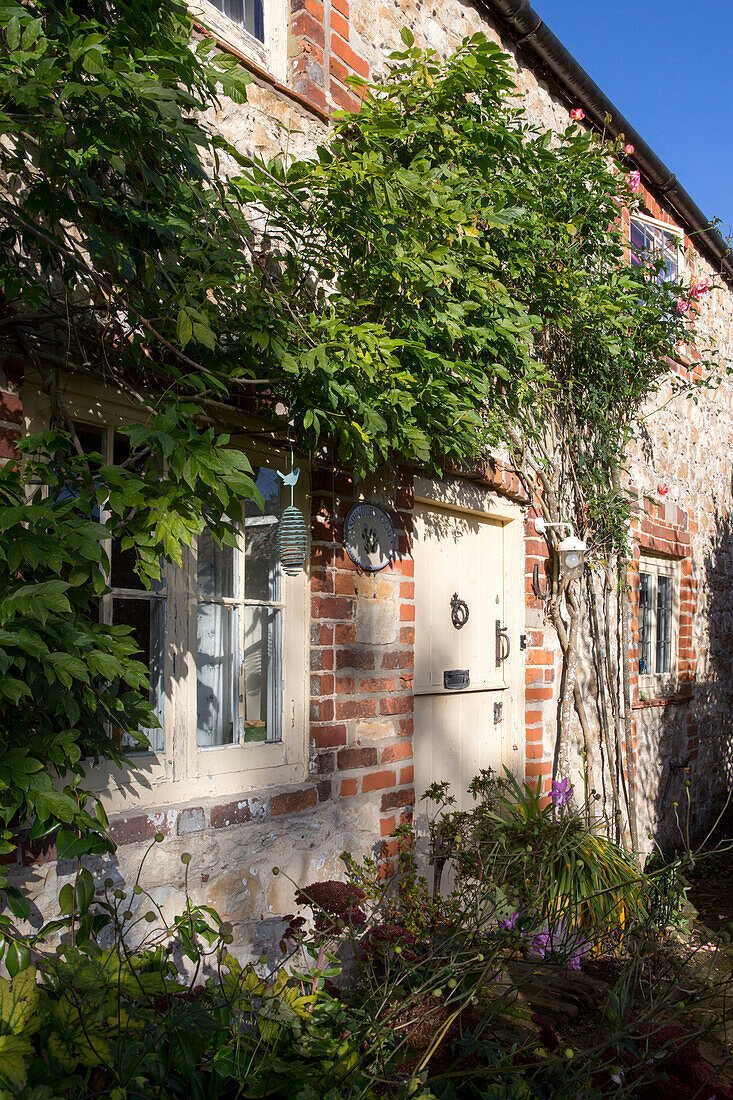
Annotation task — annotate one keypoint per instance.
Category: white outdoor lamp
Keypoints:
(572, 557)
(571, 551)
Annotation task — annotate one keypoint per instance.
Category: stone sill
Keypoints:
(663, 701)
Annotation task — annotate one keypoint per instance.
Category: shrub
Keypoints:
(556, 869)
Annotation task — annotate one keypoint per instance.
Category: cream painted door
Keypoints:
(460, 731)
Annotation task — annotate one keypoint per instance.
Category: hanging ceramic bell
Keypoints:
(292, 536)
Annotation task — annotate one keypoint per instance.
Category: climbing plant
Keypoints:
(441, 278)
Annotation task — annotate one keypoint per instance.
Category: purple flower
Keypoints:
(581, 950)
(561, 792)
(540, 945)
(510, 922)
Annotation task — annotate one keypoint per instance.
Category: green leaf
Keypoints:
(17, 959)
(19, 1002)
(14, 1051)
(407, 36)
(12, 33)
(66, 899)
(17, 903)
(184, 328)
(84, 890)
(204, 335)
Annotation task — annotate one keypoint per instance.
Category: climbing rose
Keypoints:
(577, 113)
(560, 793)
(628, 149)
(663, 489)
(698, 287)
(682, 305)
(635, 180)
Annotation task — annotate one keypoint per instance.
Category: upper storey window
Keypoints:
(653, 240)
(256, 29)
(248, 14)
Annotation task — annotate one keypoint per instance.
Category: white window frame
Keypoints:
(668, 227)
(183, 771)
(657, 684)
(271, 55)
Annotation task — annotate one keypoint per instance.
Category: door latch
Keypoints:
(498, 713)
(503, 643)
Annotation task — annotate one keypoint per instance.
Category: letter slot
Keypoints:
(456, 678)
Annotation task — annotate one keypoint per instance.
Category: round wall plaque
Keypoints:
(370, 536)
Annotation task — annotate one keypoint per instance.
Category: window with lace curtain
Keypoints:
(224, 637)
(238, 628)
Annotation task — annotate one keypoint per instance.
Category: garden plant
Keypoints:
(381, 988)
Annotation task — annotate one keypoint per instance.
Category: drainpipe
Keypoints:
(532, 36)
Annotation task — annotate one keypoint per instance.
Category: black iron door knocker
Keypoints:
(458, 611)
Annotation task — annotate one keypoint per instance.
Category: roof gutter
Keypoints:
(533, 36)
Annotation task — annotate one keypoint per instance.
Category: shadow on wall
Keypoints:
(692, 738)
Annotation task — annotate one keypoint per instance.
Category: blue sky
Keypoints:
(666, 65)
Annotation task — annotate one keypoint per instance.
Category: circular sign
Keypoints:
(370, 536)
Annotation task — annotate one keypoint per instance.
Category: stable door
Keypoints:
(465, 649)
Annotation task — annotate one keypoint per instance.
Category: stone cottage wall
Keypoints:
(361, 646)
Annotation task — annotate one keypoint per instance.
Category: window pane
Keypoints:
(233, 9)
(247, 13)
(92, 440)
(262, 688)
(261, 569)
(217, 628)
(253, 19)
(147, 619)
(645, 623)
(216, 572)
(671, 257)
(652, 242)
(664, 623)
(122, 572)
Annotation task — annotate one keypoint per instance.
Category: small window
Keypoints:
(652, 240)
(657, 621)
(248, 14)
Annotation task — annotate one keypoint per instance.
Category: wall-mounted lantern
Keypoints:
(571, 551)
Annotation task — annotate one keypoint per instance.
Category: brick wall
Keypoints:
(541, 655)
(362, 657)
(324, 53)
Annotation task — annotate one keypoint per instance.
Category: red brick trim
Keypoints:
(324, 54)
(666, 529)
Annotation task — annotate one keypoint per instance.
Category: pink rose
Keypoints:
(577, 113)
(634, 179)
(628, 149)
(682, 305)
(663, 489)
(698, 287)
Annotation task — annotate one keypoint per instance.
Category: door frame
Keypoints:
(466, 498)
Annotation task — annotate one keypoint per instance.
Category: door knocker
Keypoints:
(458, 611)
